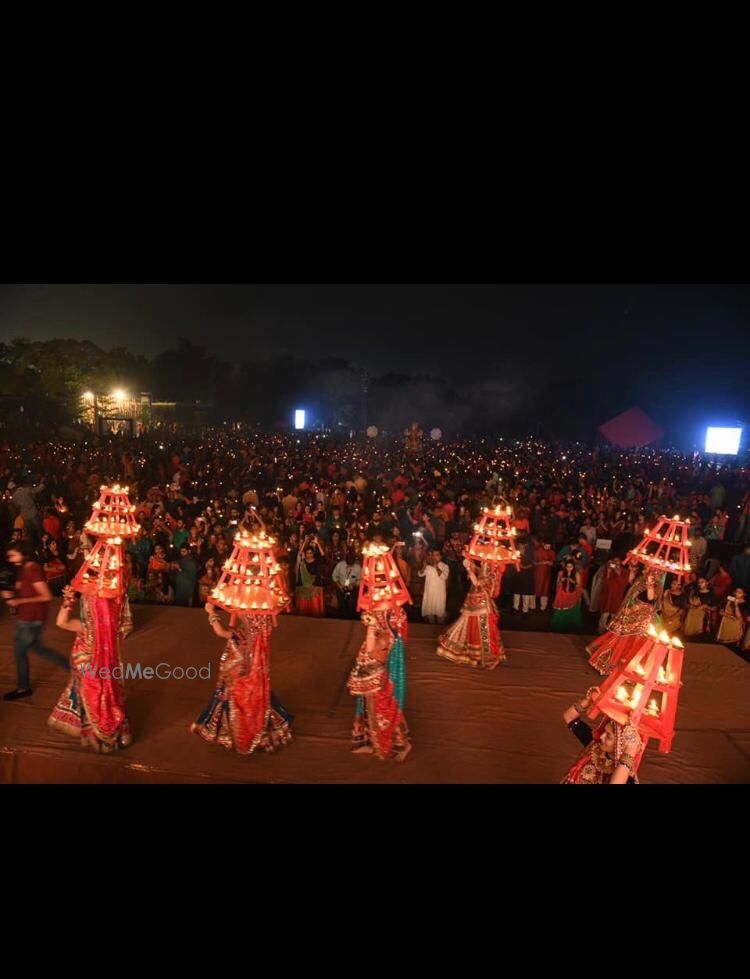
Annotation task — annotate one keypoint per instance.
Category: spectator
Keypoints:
(616, 583)
(524, 579)
(208, 580)
(179, 535)
(674, 606)
(346, 577)
(740, 569)
(544, 560)
(588, 533)
(309, 588)
(54, 569)
(158, 563)
(51, 524)
(435, 572)
(24, 499)
(721, 583)
(701, 606)
(716, 527)
(734, 616)
(163, 593)
(141, 548)
(698, 549)
(185, 576)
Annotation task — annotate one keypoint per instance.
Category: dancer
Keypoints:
(378, 681)
(611, 751)
(243, 713)
(474, 638)
(630, 626)
(92, 706)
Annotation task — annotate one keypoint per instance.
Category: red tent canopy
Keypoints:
(631, 429)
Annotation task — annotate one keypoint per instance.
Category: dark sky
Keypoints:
(436, 326)
(656, 343)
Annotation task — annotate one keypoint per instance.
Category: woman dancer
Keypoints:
(630, 626)
(474, 638)
(92, 706)
(611, 751)
(243, 713)
(378, 681)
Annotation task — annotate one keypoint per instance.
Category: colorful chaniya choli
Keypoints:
(626, 631)
(595, 766)
(474, 638)
(378, 681)
(243, 713)
(92, 706)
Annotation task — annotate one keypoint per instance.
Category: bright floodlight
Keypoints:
(723, 441)
(88, 395)
(119, 395)
(299, 419)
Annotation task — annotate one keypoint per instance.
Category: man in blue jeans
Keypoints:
(31, 599)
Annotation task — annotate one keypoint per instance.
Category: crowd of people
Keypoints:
(577, 511)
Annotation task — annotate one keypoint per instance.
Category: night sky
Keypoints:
(680, 351)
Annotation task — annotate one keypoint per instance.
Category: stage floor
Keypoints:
(467, 725)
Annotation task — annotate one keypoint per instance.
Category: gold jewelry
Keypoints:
(580, 708)
(627, 760)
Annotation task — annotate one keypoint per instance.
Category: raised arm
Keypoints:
(215, 622)
(471, 575)
(64, 620)
(582, 707)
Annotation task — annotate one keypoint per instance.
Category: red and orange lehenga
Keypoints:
(626, 631)
(243, 713)
(378, 681)
(92, 706)
(474, 638)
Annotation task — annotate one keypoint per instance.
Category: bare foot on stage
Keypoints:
(364, 750)
(402, 754)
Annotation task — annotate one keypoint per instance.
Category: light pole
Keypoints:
(365, 377)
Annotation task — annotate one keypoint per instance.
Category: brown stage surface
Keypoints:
(467, 725)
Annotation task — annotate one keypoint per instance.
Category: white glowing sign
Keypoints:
(724, 441)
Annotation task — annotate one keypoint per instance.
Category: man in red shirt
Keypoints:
(31, 599)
